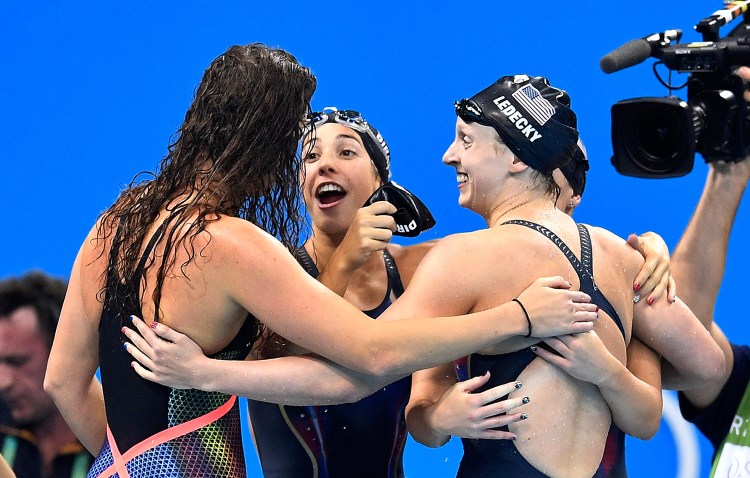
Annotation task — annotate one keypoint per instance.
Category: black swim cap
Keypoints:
(575, 170)
(531, 117)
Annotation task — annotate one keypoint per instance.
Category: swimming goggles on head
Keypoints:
(376, 146)
(469, 110)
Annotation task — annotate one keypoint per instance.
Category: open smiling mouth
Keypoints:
(329, 193)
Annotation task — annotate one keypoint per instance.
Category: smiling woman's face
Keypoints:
(338, 176)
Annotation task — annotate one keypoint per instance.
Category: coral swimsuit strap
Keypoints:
(162, 437)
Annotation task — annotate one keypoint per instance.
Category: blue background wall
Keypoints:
(91, 92)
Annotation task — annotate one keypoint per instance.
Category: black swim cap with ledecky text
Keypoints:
(531, 117)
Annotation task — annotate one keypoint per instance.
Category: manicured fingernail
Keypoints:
(518, 385)
(153, 324)
(525, 400)
(123, 329)
(513, 438)
(524, 416)
(636, 298)
(636, 286)
(597, 309)
(597, 315)
(125, 345)
(569, 283)
(533, 348)
(650, 301)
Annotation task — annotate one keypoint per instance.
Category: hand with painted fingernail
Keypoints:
(655, 277)
(583, 356)
(164, 356)
(465, 413)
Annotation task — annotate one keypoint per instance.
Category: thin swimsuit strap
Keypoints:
(116, 283)
(394, 278)
(138, 273)
(584, 267)
(395, 286)
(303, 257)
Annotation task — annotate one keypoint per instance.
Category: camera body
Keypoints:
(657, 137)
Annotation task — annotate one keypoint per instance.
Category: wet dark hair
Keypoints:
(235, 154)
(35, 289)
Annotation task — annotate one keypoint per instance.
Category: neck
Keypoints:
(51, 436)
(527, 203)
(321, 246)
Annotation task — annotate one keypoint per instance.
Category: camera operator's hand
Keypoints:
(744, 73)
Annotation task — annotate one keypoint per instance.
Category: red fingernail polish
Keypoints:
(122, 330)
(636, 286)
(650, 301)
(597, 309)
(152, 324)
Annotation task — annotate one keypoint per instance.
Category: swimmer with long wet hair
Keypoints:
(194, 248)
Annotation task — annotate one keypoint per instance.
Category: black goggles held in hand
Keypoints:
(412, 216)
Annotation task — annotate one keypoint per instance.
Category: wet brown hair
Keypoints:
(235, 154)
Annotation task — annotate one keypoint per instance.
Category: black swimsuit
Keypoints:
(362, 439)
(500, 458)
(153, 430)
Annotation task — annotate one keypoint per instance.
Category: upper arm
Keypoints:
(75, 351)
(260, 275)
(441, 284)
(408, 258)
(644, 363)
(673, 331)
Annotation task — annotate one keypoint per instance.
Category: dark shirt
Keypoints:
(20, 451)
(715, 420)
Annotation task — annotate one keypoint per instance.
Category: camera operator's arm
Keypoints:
(699, 259)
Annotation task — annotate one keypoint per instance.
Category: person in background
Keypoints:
(721, 409)
(37, 442)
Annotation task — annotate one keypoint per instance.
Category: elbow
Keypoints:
(705, 368)
(650, 427)
(382, 362)
(644, 428)
(54, 384)
(384, 367)
(430, 442)
(353, 394)
(712, 367)
(647, 433)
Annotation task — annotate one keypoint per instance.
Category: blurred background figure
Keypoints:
(35, 440)
(719, 409)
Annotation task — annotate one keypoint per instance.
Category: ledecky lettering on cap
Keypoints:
(515, 117)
